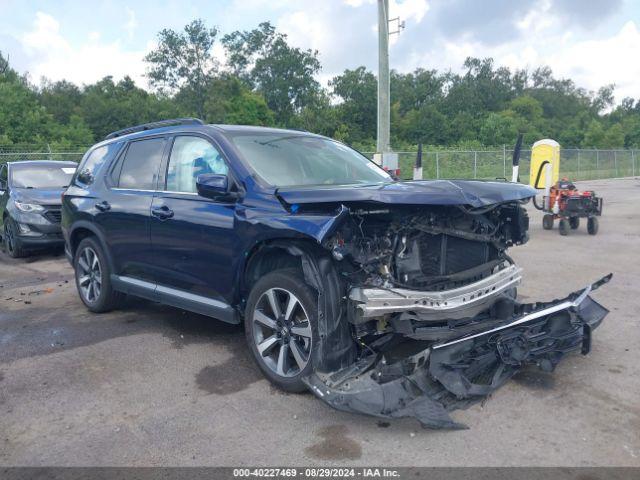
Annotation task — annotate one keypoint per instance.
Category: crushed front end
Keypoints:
(432, 303)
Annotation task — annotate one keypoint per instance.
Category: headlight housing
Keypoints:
(29, 207)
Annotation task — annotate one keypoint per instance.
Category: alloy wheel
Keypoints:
(89, 274)
(282, 332)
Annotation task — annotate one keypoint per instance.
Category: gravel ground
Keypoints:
(150, 385)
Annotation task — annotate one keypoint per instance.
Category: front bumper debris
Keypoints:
(463, 370)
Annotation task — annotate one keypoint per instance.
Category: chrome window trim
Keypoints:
(132, 190)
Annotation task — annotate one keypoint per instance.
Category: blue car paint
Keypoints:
(204, 248)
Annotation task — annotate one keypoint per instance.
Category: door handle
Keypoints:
(163, 212)
(103, 206)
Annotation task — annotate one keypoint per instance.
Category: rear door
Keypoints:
(192, 237)
(124, 208)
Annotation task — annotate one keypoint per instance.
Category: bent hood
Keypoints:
(476, 193)
(41, 197)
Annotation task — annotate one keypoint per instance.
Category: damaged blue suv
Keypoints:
(383, 297)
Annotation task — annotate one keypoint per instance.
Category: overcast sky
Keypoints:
(594, 42)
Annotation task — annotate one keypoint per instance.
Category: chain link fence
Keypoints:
(576, 164)
(15, 153)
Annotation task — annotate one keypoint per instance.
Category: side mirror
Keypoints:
(211, 185)
(85, 177)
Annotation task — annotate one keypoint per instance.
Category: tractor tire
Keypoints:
(592, 225)
(547, 222)
(574, 222)
(564, 227)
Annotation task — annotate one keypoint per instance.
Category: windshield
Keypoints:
(41, 176)
(285, 160)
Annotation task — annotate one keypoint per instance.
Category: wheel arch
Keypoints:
(83, 229)
(337, 348)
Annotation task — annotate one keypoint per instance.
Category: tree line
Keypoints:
(267, 81)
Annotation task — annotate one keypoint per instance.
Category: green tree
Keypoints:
(614, 136)
(321, 117)
(184, 61)
(498, 129)
(595, 134)
(283, 74)
(413, 90)
(61, 99)
(230, 101)
(23, 119)
(357, 89)
(107, 106)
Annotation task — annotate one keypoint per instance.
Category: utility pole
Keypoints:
(384, 156)
(384, 114)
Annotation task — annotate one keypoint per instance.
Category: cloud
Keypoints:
(577, 39)
(49, 54)
(594, 63)
(586, 14)
(131, 24)
(441, 35)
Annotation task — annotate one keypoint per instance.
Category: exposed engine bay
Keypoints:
(429, 264)
(431, 301)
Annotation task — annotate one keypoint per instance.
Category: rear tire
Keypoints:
(281, 328)
(12, 245)
(547, 222)
(574, 222)
(592, 225)
(563, 226)
(93, 277)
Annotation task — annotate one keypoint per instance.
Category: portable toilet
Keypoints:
(544, 151)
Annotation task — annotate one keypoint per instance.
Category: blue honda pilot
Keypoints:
(391, 298)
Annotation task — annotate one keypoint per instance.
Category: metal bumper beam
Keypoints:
(466, 301)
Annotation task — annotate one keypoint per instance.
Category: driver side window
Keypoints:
(190, 157)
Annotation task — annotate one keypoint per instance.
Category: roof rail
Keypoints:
(152, 125)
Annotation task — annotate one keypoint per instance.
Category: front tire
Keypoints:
(10, 239)
(281, 328)
(563, 227)
(547, 222)
(93, 277)
(592, 225)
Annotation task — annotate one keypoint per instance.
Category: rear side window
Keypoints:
(90, 166)
(141, 163)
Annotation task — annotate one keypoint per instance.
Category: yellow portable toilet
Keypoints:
(543, 151)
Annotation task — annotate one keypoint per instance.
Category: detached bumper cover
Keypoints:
(461, 371)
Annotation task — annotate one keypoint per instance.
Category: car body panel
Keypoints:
(475, 193)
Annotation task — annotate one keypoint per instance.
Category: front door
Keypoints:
(192, 237)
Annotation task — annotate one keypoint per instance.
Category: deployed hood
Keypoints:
(40, 197)
(476, 193)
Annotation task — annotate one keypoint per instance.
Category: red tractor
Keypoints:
(568, 204)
